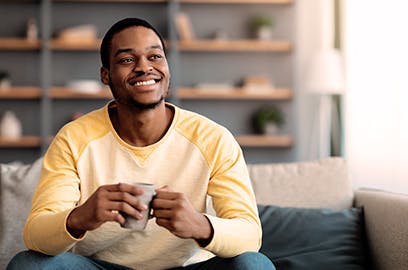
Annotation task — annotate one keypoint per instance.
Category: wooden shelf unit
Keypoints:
(235, 45)
(19, 44)
(67, 93)
(280, 141)
(199, 46)
(234, 93)
(21, 92)
(23, 142)
(57, 44)
(236, 1)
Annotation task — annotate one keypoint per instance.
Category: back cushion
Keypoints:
(17, 184)
(313, 184)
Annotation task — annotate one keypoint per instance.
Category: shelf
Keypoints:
(63, 45)
(19, 44)
(234, 45)
(25, 141)
(234, 93)
(67, 93)
(22, 92)
(113, 1)
(236, 1)
(280, 141)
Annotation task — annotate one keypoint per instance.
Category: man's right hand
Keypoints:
(105, 204)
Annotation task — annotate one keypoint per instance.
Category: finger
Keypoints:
(163, 213)
(128, 198)
(123, 207)
(115, 216)
(123, 187)
(168, 195)
(159, 203)
(163, 222)
(164, 188)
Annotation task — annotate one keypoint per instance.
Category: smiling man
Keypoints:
(85, 191)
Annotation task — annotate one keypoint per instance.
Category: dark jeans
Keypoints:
(69, 261)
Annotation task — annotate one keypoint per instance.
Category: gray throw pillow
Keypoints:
(312, 238)
(17, 184)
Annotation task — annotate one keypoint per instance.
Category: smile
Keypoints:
(139, 83)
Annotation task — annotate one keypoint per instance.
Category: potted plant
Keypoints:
(268, 120)
(262, 26)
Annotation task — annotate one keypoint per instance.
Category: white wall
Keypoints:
(376, 49)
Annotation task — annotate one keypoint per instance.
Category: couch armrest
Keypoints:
(386, 219)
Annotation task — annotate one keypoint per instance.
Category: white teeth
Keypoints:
(149, 82)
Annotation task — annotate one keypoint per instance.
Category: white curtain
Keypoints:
(376, 127)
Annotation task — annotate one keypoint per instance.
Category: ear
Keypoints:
(104, 75)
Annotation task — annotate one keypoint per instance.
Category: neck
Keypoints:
(141, 127)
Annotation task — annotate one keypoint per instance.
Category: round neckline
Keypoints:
(140, 148)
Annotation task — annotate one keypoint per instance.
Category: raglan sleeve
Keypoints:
(237, 228)
(55, 197)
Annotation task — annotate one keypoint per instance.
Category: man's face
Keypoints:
(138, 74)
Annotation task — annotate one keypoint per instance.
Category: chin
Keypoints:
(147, 105)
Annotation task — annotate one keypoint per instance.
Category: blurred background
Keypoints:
(293, 80)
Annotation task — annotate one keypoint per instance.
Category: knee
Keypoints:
(253, 261)
(34, 261)
(23, 260)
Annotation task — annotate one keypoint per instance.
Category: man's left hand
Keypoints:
(175, 212)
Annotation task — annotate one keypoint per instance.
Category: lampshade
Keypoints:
(325, 73)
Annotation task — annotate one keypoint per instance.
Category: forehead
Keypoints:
(135, 37)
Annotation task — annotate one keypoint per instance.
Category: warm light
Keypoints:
(325, 74)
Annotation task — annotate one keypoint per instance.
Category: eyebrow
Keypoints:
(119, 51)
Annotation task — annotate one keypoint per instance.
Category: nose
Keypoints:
(142, 65)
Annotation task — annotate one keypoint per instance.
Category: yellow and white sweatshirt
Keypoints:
(196, 156)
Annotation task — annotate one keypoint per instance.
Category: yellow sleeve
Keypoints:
(55, 197)
(237, 227)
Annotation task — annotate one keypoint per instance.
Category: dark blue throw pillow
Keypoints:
(309, 238)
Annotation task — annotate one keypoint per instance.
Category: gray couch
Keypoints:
(315, 184)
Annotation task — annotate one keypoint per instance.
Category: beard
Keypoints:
(130, 102)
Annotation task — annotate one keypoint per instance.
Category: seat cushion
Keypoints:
(302, 238)
(313, 184)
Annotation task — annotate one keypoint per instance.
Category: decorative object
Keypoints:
(268, 120)
(262, 26)
(5, 82)
(257, 84)
(32, 30)
(86, 33)
(325, 79)
(184, 26)
(85, 86)
(217, 88)
(220, 35)
(10, 126)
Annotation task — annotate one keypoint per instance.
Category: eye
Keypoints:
(126, 60)
(155, 57)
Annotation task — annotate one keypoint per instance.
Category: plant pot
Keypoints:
(271, 128)
(264, 33)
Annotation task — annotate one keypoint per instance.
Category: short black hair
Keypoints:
(116, 28)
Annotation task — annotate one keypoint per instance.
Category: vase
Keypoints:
(10, 126)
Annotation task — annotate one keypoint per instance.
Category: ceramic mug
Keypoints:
(146, 198)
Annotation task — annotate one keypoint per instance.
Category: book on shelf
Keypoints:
(184, 26)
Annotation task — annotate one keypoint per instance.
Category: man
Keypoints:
(87, 170)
